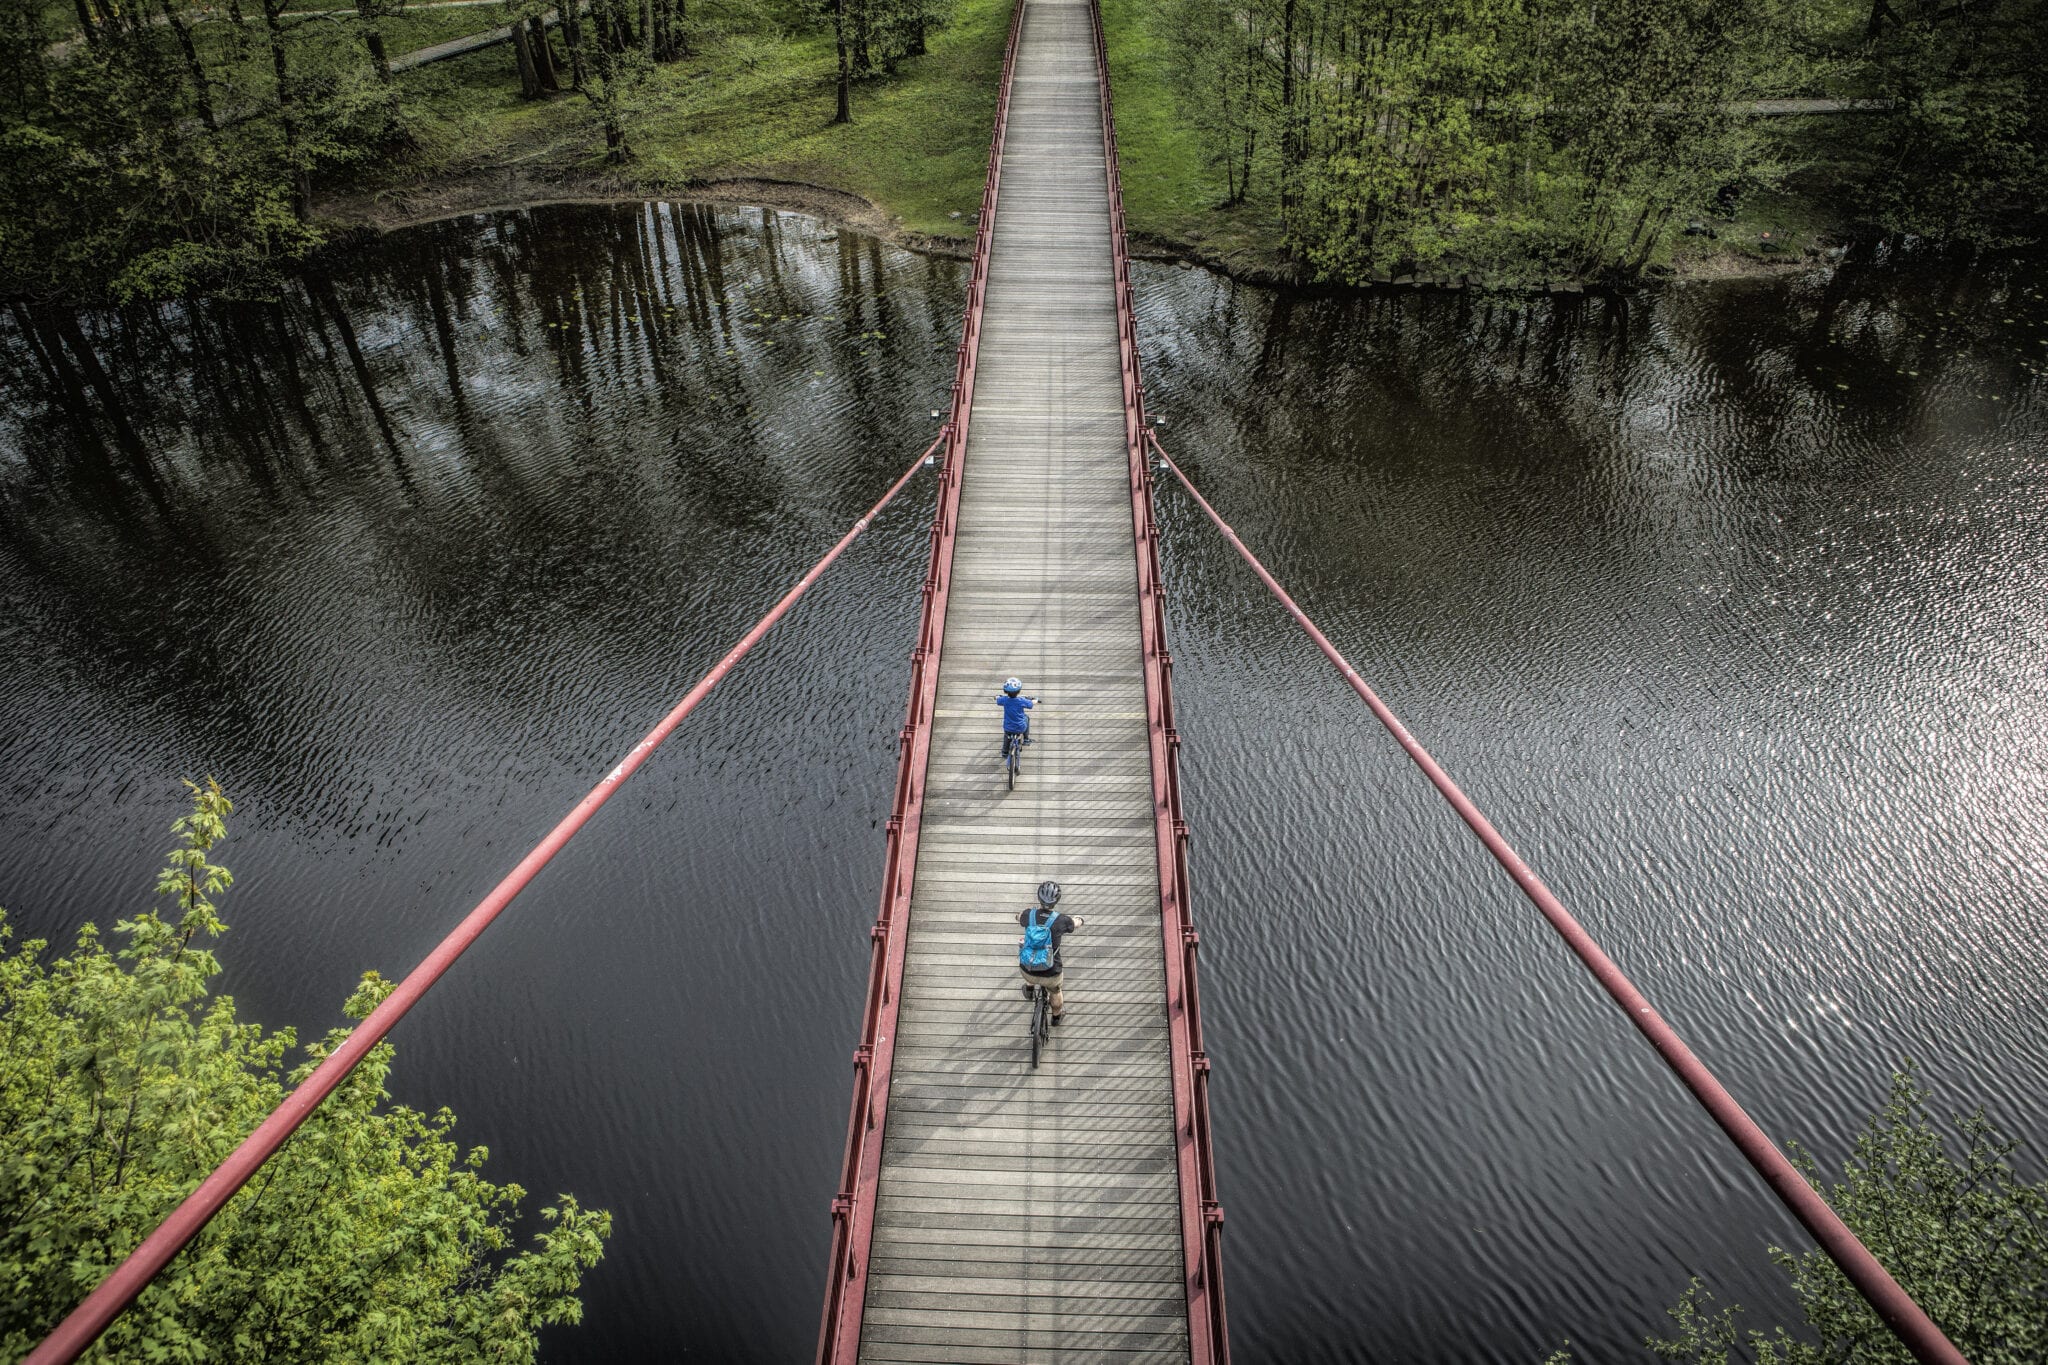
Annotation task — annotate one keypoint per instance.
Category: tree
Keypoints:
(1532, 138)
(158, 151)
(369, 1236)
(611, 62)
(531, 50)
(1964, 1235)
(843, 111)
(1963, 153)
(369, 14)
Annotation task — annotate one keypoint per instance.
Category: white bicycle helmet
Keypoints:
(1013, 686)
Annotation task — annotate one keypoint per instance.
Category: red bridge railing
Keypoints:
(1201, 1213)
(853, 1208)
(1886, 1297)
(84, 1324)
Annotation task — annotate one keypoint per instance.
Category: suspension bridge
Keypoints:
(987, 1211)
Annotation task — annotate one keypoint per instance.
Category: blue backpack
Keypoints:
(1034, 954)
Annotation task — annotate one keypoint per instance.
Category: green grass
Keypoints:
(755, 100)
(749, 102)
(321, 41)
(1171, 193)
(417, 28)
(1772, 227)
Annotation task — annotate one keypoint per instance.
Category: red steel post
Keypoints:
(1201, 1213)
(853, 1207)
(118, 1290)
(1884, 1294)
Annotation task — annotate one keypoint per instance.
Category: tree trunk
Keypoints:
(1287, 148)
(543, 55)
(239, 42)
(647, 28)
(302, 183)
(572, 39)
(845, 111)
(522, 55)
(604, 91)
(201, 100)
(668, 30)
(366, 14)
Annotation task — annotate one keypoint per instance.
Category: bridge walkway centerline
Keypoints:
(1020, 1214)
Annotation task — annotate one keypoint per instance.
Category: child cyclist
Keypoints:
(1016, 714)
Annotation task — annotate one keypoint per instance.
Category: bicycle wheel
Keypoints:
(1039, 1029)
(1016, 756)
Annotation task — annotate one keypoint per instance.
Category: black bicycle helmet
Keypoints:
(1048, 894)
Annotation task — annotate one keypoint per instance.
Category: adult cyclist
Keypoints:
(1038, 952)
(1016, 715)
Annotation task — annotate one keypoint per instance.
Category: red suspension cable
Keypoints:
(119, 1289)
(1884, 1294)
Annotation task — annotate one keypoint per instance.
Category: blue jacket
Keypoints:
(1015, 722)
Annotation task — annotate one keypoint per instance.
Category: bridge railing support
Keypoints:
(1201, 1212)
(84, 1324)
(853, 1206)
(1886, 1297)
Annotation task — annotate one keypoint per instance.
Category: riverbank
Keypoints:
(742, 106)
(401, 206)
(747, 118)
(1174, 198)
(395, 210)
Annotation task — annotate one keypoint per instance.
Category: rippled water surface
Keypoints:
(1726, 605)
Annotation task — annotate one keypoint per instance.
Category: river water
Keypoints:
(1724, 603)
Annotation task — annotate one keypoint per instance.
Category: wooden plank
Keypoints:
(903, 1353)
(1109, 1245)
(1038, 1287)
(1019, 1332)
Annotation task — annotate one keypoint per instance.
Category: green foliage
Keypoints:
(882, 33)
(153, 150)
(179, 146)
(1963, 1234)
(1531, 139)
(753, 99)
(369, 1236)
(1964, 154)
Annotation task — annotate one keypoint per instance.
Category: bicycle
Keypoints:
(1013, 754)
(1041, 1022)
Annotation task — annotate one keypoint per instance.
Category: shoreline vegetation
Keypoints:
(1510, 145)
(125, 1078)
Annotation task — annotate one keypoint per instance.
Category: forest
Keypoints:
(154, 148)
(1573, 138)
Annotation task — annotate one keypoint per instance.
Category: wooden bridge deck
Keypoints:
(1021, 1215)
